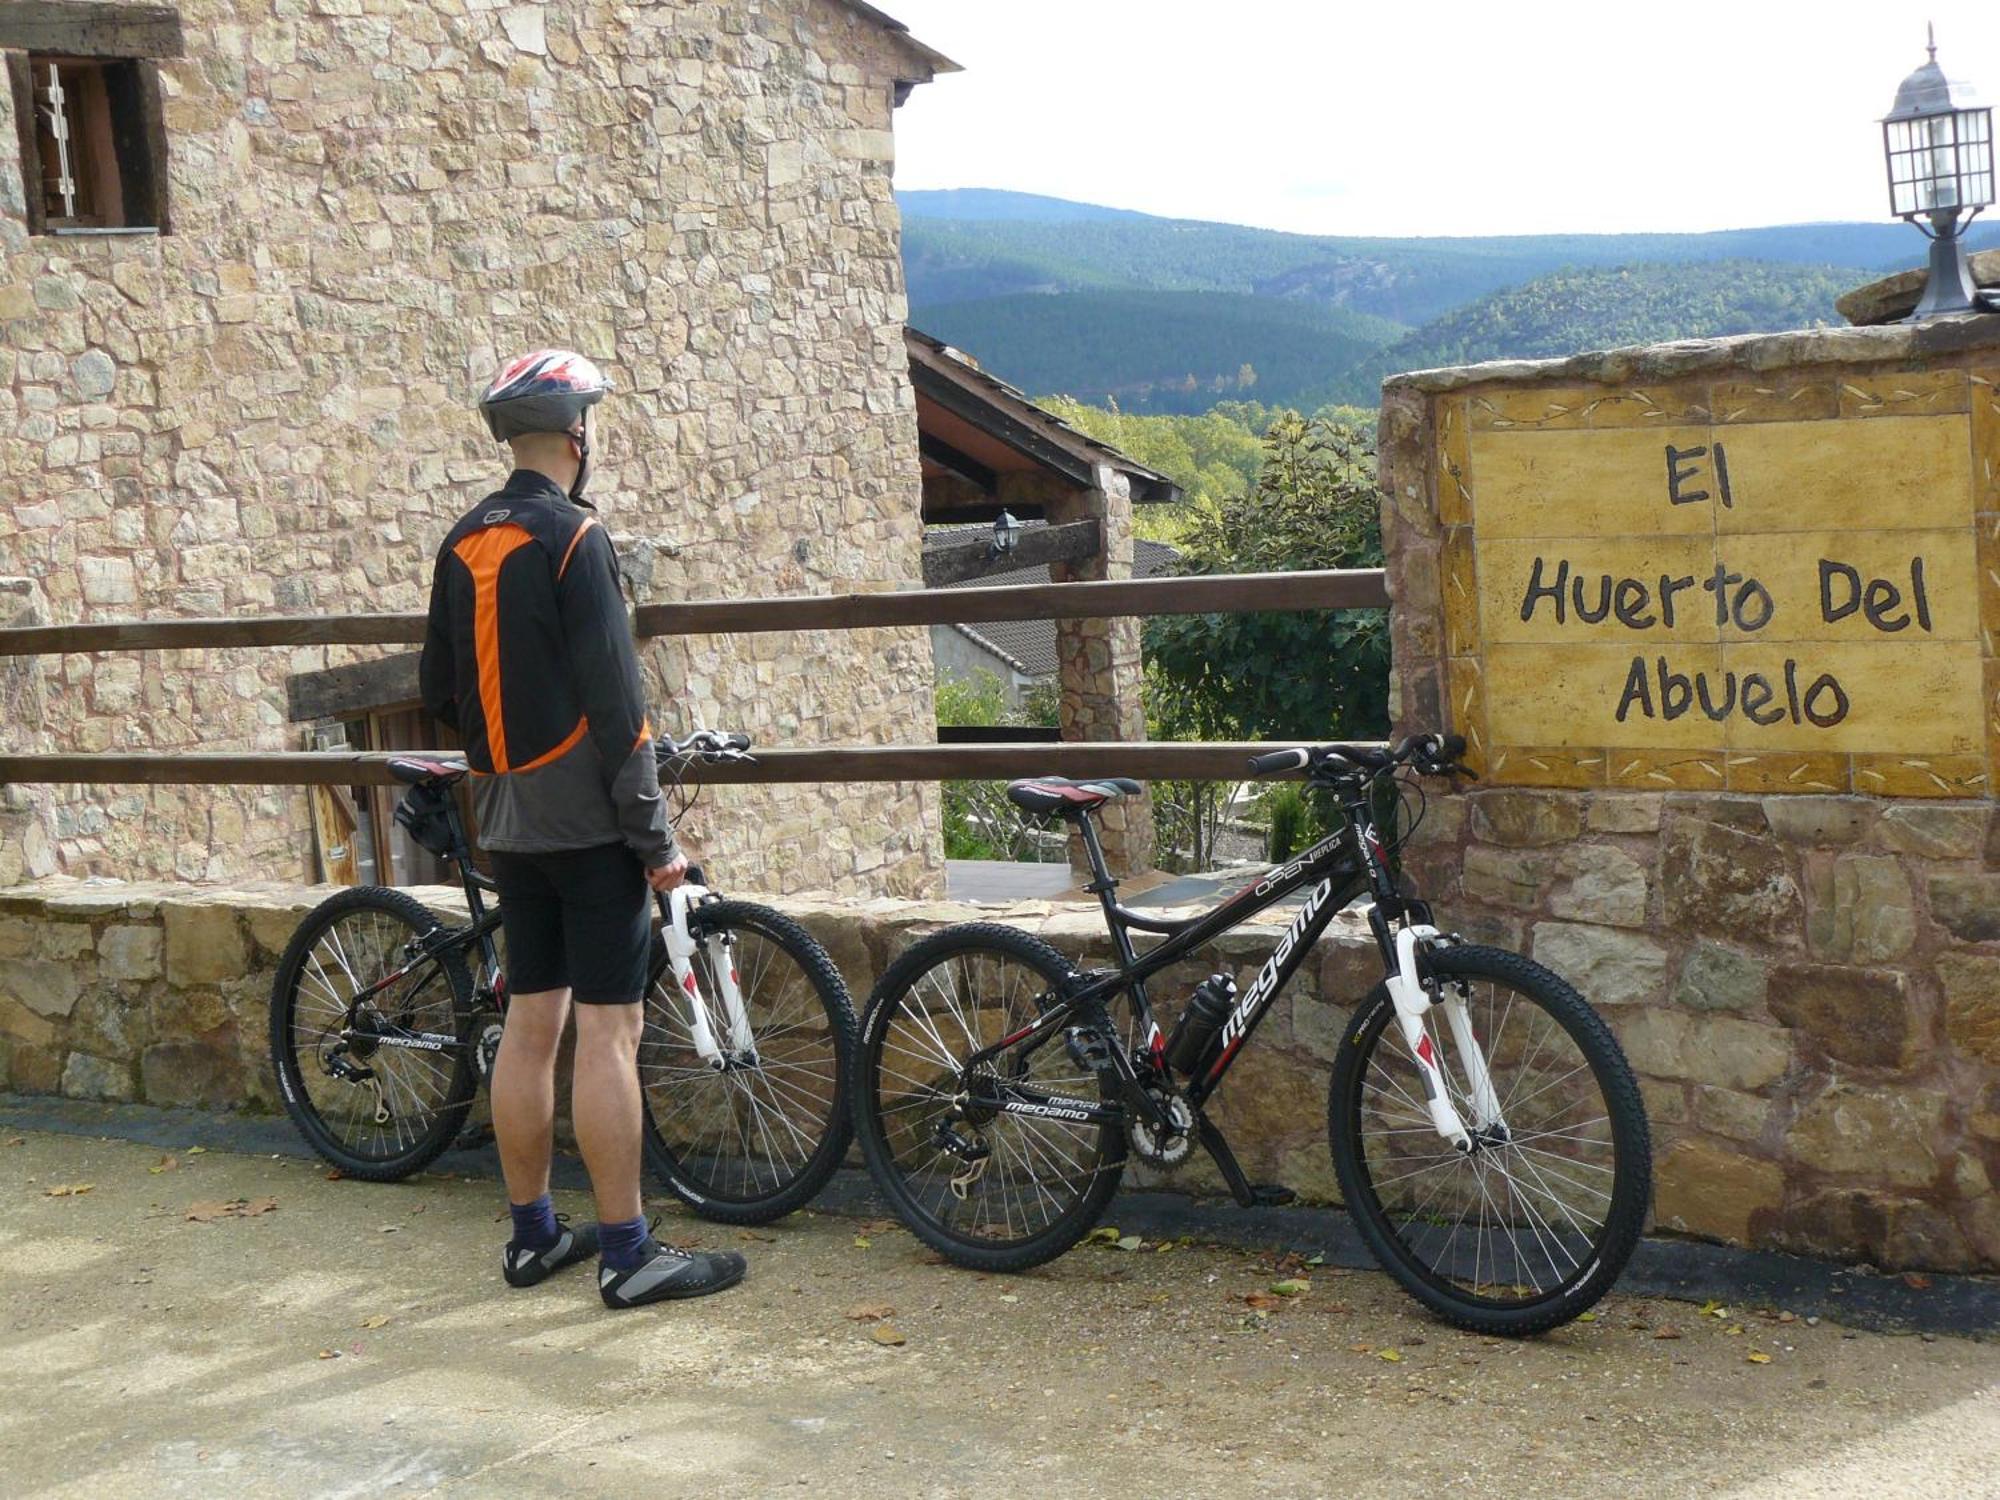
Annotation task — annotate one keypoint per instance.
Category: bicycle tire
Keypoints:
(875, 1132)
(1511, 1181)
(692, 1178)
(454, 1082)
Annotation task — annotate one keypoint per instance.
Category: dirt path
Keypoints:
(144, 1353)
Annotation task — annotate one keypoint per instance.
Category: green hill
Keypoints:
(1160, 351)
(1572, 311)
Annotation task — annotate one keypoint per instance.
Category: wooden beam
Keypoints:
(833, 763)
(355, 689)
(1227, 593)
(93, 29)
(985, 414)
(1233, 593)
(21, 83)
(1037, 545)
(964, 465)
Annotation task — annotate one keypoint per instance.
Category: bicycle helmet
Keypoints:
(547, 391)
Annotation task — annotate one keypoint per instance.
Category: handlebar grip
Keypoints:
(1272, 762)
(1452, 747)
(737, 740)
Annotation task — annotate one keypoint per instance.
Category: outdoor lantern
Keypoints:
(1006, 532)
(1939, 142)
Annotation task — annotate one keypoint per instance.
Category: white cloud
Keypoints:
(1446, 117)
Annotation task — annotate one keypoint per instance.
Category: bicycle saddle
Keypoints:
(433, 773)
(1048, 794)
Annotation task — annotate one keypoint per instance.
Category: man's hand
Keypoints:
(666, 877)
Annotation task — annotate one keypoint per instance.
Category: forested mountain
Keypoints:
(1573, 311)
(1161, 351)
(1172, 315)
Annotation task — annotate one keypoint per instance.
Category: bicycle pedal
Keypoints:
(1270, 1195)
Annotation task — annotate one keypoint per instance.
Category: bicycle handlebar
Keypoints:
(1431, 754)
(712, 745)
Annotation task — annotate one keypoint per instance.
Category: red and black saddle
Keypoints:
(1058, 794)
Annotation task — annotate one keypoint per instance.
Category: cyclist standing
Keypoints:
(529, 658)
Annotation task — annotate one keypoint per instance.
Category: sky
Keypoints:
(1419, 117)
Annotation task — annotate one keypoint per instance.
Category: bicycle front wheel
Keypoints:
(746, 1134)
(1535, 1223)
(378, 1088)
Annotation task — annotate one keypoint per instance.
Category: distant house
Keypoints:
(1020, 653)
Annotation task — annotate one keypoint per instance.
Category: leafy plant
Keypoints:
(979, 821)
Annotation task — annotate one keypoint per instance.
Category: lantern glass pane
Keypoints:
(1940, 162)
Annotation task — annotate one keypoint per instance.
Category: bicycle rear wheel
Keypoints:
(747, 1138)
(1536, 1222)
(375, 1109)
(992, 1190)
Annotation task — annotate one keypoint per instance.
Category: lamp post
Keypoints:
(1938, 139)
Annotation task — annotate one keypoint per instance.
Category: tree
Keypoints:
(1279, 675)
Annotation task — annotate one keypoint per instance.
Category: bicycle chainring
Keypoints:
(486, 1048)
(1159, 1148)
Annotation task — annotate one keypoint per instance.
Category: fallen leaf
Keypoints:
(1129, 1242)
(68, 1190)
(752, 1237)
(1262, 1301)
(329, 1354)
(862, 1242)
(884, 1333)
(255, 1206)
(1360, 1348)
(1666, 1331)
(1758, 1357)
(1164, 1246)
(1708, 1307)
(1788, 1317)
(1293, 1287)
(1589, 1317)
(1103, 1234)
(375, 1320)
(1916, 1281)
(1317, 1259)
(869, 1312)
(17, 1140)
(334, 1174)
(196, 1151)
(166, 1164)
(1009, 1297)
(1389, 1354)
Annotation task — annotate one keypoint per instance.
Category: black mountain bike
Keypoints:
(1488, 1134)
(380, 1033)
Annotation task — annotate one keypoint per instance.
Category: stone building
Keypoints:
(246, 304)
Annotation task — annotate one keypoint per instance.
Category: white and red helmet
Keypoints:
(547, 391)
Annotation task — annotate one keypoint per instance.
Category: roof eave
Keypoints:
(934, 61)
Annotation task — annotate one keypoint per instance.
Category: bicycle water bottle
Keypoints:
(1194, 1033)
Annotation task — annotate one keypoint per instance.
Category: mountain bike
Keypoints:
(381, 1033)
(1487, 1132)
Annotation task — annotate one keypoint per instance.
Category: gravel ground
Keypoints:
(338, 1338)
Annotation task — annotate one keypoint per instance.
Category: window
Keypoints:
(93, 147)
(86, 87)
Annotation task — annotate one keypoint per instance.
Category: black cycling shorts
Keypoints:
(580, 919)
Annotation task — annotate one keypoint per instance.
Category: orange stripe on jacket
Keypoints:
(588, 522)
(575, 736)
(482, 553)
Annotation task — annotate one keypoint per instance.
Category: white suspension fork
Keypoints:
(1412, 1003)
(681, 945)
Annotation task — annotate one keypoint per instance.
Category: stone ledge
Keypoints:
(1886, 344)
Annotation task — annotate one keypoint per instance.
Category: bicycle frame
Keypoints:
(1334, 871)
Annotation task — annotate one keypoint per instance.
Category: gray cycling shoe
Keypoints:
(668, 1273)
(524, 1267)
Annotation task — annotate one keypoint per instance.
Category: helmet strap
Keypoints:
(579, 439)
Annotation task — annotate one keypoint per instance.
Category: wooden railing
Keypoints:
(1225, 594)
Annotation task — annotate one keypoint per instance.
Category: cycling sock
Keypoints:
(623, 1246)
(535, 1223)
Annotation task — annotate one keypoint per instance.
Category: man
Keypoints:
(529, 658)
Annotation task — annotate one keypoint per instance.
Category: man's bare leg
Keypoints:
(604, 1102)
(524, 1090)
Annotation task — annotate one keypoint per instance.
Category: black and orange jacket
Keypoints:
(529, 658)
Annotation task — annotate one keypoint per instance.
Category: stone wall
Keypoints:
(1807, 983)
(268, 410)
